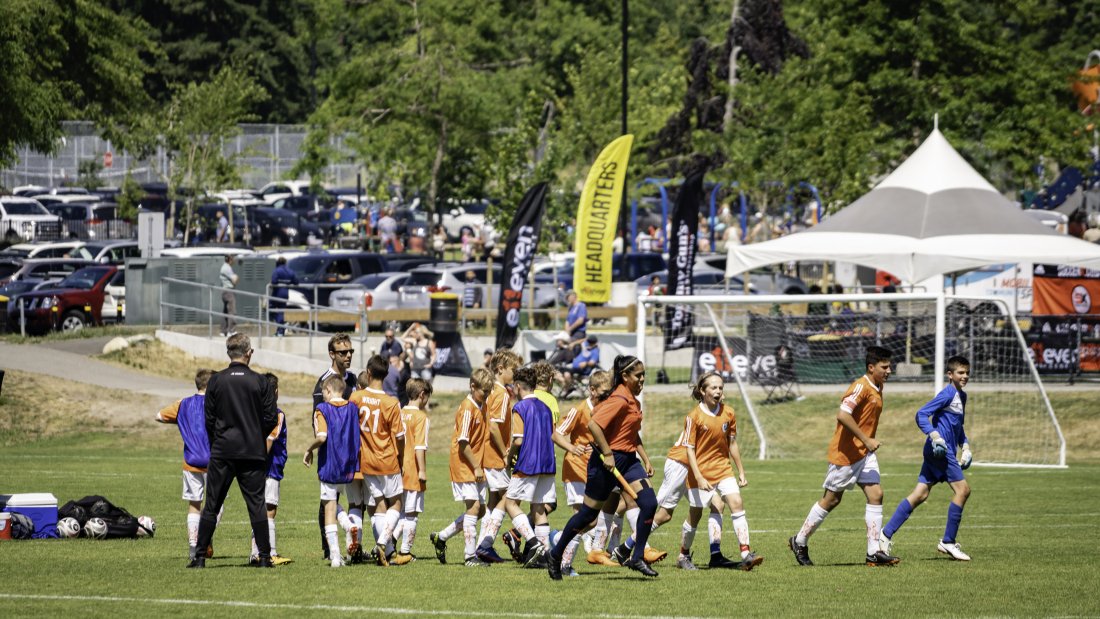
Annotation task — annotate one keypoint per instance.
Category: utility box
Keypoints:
(145, 287)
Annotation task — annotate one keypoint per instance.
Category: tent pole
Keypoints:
(941, 323)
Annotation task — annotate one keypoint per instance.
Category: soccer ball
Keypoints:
(68, 527)
(95, 528)
(147, 527)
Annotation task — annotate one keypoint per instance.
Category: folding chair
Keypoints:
(781, 383)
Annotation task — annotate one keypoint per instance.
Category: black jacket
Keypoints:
(240, 413)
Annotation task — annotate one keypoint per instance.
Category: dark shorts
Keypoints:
(936, 470)
(601, 482)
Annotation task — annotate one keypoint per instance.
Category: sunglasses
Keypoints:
(348, 352)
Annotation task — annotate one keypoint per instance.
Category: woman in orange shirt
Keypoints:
(615, 426)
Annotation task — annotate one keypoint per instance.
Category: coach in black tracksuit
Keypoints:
(240, 413)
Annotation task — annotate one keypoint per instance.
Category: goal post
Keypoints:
(775, 346)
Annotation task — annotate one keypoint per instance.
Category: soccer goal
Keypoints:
(787, 354)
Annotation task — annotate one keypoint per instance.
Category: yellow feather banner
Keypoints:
(597, 221)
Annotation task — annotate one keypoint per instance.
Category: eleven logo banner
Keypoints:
(597, 221)
(519, 251)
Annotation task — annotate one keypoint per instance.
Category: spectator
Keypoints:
(644, 241)
(396, 377)
(703, 237)
(619, 243)
(563, 354)
(655, 286)
(583, 364)
(576, 319)
(439, 241)
(390, 346)
(471, 294)
(487, 355)
(222, 234)
(1078, 223)
(659, 238)
(420, 349)
(229, 281)
(387, 232)
(816, 309)
(468, 243)
(281, 279)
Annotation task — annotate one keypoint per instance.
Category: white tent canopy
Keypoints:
(933, 215)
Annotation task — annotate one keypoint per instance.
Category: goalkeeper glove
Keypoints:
(967, 456)
(939, 446)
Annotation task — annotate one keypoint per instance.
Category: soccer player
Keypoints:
(498, 408)
(382, 438)
(710, 440)
(414, 471)
(467, 476)
(276, 461)
(545, 373)
(336, 432)
(852, 460)
(941, 419)
(532, 478)
(340, 352)
(616, 425)
(188, 414)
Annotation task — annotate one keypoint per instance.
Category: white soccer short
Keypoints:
(468, 491)
(194, 486)
(331, 492)
(533, 489)
(414, 501)
(673, 484)
(841, 478)
(497, 479)
(698, 497)
(271, 492)
(574, 492)
(384, 486)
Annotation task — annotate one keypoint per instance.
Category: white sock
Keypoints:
(542, 533)
(741, 530)
(355, 519)
(601, 531)
(632, 518)
(687, 537)
(343, 520)
(555, 537)
(490, 526)
(192, 529)
(813, 521)
(271, 535)
(408, 534)
(377, 523)
(452, 529)
(255, 549)
(589, 539)
(569, 553)
(523, 525)
(873, 517)
(330, 535)
(388, 524)
(714, 528)
(615, 531)
(469, 533)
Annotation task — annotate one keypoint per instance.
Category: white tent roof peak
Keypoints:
(935, 166)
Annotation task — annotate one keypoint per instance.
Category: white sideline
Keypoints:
(307, 607)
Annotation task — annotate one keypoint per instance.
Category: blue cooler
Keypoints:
(40, 507)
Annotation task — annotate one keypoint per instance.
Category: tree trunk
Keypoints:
(540, 149)
(437, 164)
(735, 49)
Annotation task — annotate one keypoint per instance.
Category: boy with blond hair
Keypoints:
(498, 407)
(414, 472)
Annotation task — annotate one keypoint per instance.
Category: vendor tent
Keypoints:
(934, 214)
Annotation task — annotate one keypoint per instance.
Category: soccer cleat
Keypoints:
(641, 567)
(720, 561)
(553, 567)
(620, 554)
(953, 550)
(684, 562)
(254, 560)
(192, 552)
(801, 552)
(512, 541)
(197, 562)
(262, 562)
(881, 559)
(355, 549)
(440, 547)
(489, 555)
(280, 560)
(210, 551)
(572, 573)
(536, 556)
(380, 557)
(402, 558)
(473, 561)
(749, 561)
(652, 555)
(884, 542)
(337, 561)
(600, 557)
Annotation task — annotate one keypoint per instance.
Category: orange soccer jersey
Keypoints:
(379, 427)
(170, 414)
(469, 428)
(498, 410)
(864, 401)
(575, 426)
(417, 426)
(620, 417)
(710, 434)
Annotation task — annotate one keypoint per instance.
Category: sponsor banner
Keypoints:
(523, 240)
(597, 221)
(681, 260)
(1063, 289)
(709, 357)
(1060, 344)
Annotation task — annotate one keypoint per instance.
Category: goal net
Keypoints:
(787, 361)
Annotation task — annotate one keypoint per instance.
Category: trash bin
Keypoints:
(443, 313)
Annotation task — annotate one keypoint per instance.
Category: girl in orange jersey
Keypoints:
(710, 438)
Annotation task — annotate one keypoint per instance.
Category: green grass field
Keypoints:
(1031, 532)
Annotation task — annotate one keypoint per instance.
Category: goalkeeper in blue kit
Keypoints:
(941, 420)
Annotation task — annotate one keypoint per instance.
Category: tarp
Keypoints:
(933, 215)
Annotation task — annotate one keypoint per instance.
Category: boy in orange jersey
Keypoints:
(467, 476)
(414, 470)
(498, 411)
(852, 460)
(188, 414)
(382, 437)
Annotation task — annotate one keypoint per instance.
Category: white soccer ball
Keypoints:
(68, 527)
(147, 527)
(95, 528)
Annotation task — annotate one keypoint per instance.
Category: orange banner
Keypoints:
(1061, 289)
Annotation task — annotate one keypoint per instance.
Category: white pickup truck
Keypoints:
(25, 219)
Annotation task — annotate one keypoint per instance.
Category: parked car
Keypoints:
(451, 277)
(704, 281)
(311, 207)
(469, 216)
(638, 264)
(75, 302)
(25, 219)
(114, 297)
(281, 227)
(377, 291)
(204, 250)
(46, 268)
(244, 229)
(282, 189)
(317, 272)
(112, 252)
(54, 249)
(86, 220)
